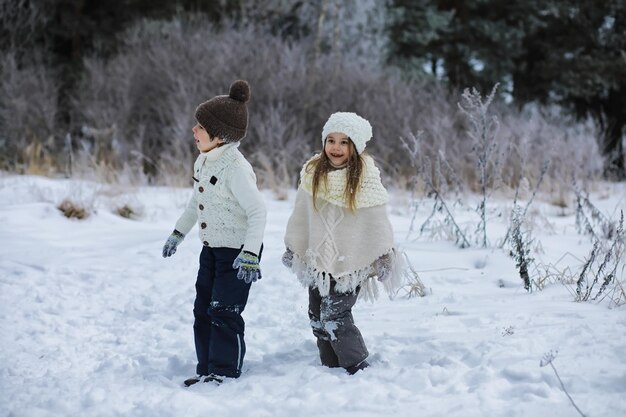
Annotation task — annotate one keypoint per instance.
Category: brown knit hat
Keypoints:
(226, 116)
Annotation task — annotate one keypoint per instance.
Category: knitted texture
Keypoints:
(226, 116)
(354, 126)
(248, 264)
(222, 220)
(172, 243)
(370, 193)
(330, 240)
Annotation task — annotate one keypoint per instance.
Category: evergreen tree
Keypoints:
(418, 31)
(575, 54)
(467, 43)
(569, 52)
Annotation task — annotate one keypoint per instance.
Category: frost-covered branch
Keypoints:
(521, 248)
(482, 131)
(544, 169)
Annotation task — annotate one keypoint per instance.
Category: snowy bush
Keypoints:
(28, 112)
(482, 131)
(134, 110)
(433, 181)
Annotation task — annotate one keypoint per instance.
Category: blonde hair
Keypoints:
(321, 166)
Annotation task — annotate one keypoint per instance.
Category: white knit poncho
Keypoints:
(334, 240)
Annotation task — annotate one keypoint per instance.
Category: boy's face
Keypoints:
(337, 149)
(204, 141)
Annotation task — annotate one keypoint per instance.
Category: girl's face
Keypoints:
(337, 149)
(204, 141)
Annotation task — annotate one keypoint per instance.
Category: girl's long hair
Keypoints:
(321, 166)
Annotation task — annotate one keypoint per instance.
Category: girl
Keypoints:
(230, 212)
(339, 236)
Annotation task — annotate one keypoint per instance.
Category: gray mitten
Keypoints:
(172, 242)
(383, 267)
(288, 258)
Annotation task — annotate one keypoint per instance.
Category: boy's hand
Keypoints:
(248, 264)
(172, 242)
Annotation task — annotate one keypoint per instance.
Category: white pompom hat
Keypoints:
(354, 126)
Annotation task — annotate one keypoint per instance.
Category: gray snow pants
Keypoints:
(339, 341)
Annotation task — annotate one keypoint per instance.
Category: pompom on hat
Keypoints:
(354, 126)
(226, 116)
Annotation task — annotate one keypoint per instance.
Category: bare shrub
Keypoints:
(482, 130)
(433, 181)
(536, 145)
(130, 111)
(28, 111)
(517, 212)
(150, 90)
(599, 277)
(590, 220)
(21, 22)
(609, 259)
(543, 136)
(277, 156)
(133, 111)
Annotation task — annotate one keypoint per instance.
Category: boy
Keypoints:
(230, 213)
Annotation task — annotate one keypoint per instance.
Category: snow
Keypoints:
(94, 322)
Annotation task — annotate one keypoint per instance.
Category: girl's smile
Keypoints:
(337, 149)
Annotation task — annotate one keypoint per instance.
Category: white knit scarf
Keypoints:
(370, 193)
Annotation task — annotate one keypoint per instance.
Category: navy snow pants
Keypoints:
(218, 326)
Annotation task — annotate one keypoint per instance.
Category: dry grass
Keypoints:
(73, 210)
(414, 286)
(127, 212)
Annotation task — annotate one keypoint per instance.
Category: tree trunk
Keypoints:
(613, 150)
(613, 129)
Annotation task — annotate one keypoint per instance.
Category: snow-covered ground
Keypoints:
(94, 322)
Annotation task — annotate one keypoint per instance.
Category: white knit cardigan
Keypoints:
(226, 203)
(334, 240)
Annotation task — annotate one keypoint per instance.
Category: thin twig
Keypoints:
(565, 391)
(547, 359)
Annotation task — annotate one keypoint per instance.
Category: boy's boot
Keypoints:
(214, 378)
(193, 380)
(358, 367)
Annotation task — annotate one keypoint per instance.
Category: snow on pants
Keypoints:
(220, 300)
(339, 341)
